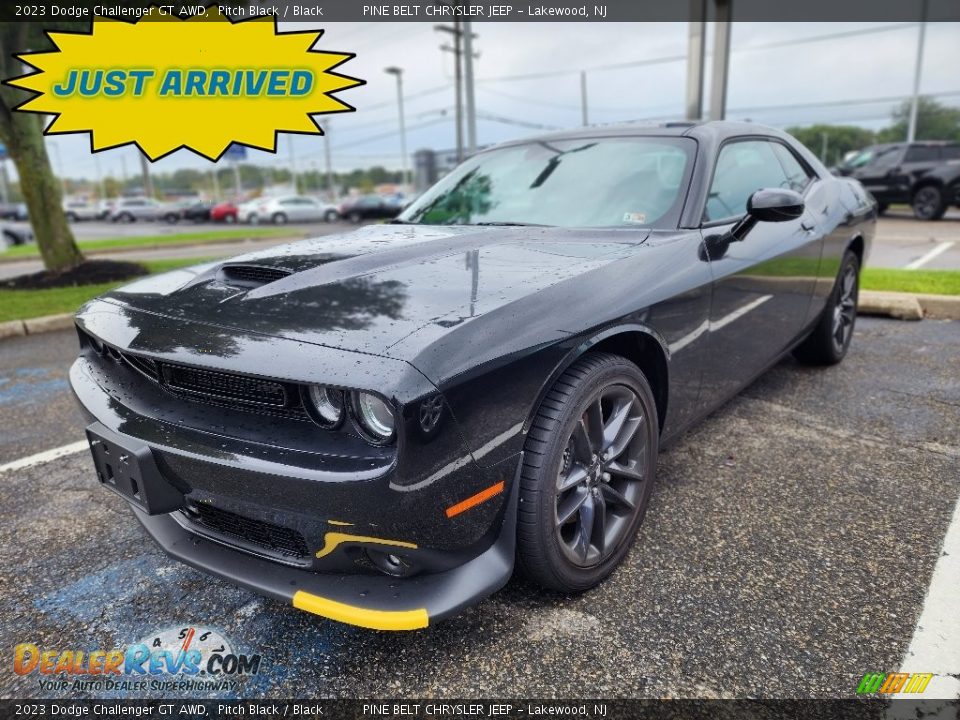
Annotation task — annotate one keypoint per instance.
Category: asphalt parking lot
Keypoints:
(787, 551)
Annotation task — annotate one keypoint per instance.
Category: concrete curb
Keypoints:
(908, 306)
(12, 329)
(35, 326)
(901, 306)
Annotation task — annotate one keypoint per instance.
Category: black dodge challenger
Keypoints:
(378, 426)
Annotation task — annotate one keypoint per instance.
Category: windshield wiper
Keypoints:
(510, 223)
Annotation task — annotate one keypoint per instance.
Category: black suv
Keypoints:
(894, 173)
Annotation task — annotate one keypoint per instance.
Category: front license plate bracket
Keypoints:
(127, 467)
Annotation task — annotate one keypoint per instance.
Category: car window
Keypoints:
(922, 153)
(743, 167)
(797, 175)
(601, 181)
(950, 152)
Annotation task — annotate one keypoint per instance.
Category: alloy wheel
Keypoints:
(599, 487)
(926, 202)
(844, 312)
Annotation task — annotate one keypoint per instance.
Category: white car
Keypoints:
(79, 210)
(140, 208)
(288, 208)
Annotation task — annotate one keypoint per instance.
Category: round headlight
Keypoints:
(326, 404)
(375, 416)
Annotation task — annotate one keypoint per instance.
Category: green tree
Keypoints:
(935, 121)
(22, 133)
(840, 139)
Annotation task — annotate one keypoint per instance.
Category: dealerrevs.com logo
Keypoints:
(178, 658)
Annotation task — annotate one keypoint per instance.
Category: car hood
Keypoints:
(368, 290)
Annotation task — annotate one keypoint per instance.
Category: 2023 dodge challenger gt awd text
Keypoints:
(378, 426)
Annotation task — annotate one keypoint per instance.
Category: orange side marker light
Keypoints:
(475, 500)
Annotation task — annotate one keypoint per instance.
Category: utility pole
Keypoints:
(583, 98)
(123, 175)
(293, 164)
(696, 49)
(915, 100)
(471, 105)
(721, 60)
(398, 73)
(331, 195)
(824, 144)
(145, 171)
(458, 78)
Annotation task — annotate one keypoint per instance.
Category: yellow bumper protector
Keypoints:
(362, 617)
(334, 539)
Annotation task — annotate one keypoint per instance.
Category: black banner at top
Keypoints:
(319, 11)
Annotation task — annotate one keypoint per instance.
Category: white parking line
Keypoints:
(924, 259)
(45, 456)
(935, 647)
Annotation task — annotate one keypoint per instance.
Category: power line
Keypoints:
(828, 36)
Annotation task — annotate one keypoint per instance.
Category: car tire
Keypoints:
(331, 216)
(929, 202)
(882, 207)
(171, 218)
(830, 339)
(229, 219)
(126, 218)
(355, 218)
(253, 219)
(555, 547)
(279, 218)
(72, 217)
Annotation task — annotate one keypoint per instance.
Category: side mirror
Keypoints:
(768, 205)
(775, 205)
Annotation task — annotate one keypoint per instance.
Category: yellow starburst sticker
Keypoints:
(202, 83)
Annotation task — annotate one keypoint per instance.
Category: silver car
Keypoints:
(133, 209)
(288, 208)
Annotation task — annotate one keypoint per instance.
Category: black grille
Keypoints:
(251, 275)
(237, 388)
(277, 539)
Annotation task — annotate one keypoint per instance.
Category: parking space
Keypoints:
(787, 551)
(905, 242)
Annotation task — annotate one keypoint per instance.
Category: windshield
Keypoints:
(587, 182)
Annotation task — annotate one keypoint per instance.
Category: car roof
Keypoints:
(717, 130)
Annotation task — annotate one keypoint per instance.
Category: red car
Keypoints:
(224, 212)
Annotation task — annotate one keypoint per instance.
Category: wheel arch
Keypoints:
(924, 181)
(857, 246)
(639, 344)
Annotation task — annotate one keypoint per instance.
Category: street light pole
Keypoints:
(398, 73)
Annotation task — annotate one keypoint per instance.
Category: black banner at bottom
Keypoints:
(506, 709)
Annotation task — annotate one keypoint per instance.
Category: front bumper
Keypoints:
(344, 503)
(378, 602)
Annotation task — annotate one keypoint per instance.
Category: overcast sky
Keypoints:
(776, 85)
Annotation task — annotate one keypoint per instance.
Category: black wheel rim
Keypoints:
(845, 311)
(603, 470)
(925, 202)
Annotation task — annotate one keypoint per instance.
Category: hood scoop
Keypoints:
(250, 276)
